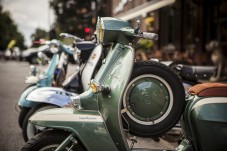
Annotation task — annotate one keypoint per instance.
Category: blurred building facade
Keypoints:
(187, 25)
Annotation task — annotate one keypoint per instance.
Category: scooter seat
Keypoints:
(209, 89)
(195, 72)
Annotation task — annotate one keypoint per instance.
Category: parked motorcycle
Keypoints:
(145, 99)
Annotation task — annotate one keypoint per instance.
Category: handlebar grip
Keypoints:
(151, 36)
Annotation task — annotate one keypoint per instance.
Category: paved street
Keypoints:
(12, 76)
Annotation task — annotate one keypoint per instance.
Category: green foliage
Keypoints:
(39, 34)
(145, 45)
(74, 15)
(9, 31)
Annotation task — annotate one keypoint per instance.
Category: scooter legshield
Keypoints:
(88, 126)
(119, 73)
(50, 95)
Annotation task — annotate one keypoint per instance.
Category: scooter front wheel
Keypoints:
(24, 111)
(153, 101)
(50, 140)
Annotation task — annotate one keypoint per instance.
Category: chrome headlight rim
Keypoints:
(100, 31)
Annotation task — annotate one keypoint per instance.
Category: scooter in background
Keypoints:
(53, 75)
(190, 74)
(35, 74)
(145, 99)
(52, 97)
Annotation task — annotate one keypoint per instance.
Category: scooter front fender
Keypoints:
(23, 102)
(51, 95)
(86, 125)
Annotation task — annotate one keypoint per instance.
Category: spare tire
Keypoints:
(153, 100)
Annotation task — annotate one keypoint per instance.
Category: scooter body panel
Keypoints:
(89, 126)
(90, 66)
(49, 73)
(116, 77)
(50, 95)
(206, 117)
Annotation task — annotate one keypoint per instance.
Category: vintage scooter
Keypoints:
(145, 99)
(53, 75)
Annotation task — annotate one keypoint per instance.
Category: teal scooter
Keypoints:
(55, 73)
(143, 99)
(53, 97)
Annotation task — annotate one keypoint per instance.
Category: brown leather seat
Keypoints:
(209, 89)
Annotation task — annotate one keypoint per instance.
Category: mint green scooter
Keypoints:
(142, 99)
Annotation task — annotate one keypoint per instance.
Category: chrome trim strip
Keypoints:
(213, 100)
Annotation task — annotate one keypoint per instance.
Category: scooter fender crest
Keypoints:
(51, 95)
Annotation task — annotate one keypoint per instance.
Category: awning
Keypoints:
(144, 9)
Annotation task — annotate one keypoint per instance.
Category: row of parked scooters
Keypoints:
(112, 102)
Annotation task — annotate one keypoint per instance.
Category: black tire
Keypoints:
(168, 117)
(29, 130)
(52, 138)
(24, 111)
